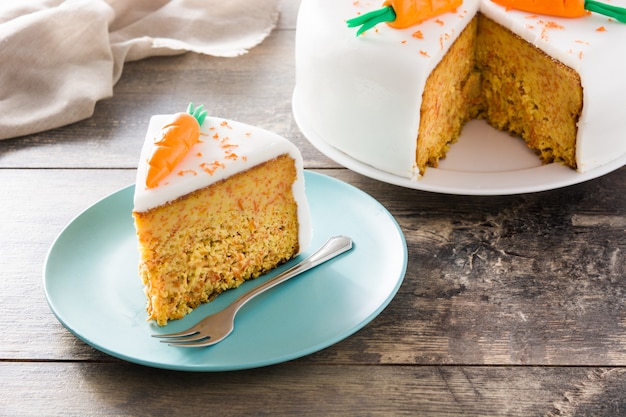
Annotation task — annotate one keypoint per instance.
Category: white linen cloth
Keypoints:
(59, 57)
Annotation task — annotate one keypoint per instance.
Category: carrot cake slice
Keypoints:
(216, 202)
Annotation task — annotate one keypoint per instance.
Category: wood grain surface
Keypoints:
(511, 305)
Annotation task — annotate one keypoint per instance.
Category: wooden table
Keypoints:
(511, 305)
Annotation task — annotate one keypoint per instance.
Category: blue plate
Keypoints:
(92, 286)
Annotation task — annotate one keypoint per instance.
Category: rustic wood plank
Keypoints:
(120, 389)
(529, 279)
(488, 281)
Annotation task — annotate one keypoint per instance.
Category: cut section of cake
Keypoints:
(215, 204)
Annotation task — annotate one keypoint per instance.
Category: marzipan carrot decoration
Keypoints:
(412, 12)
(565, 8)
(401, 14)
(178, 136)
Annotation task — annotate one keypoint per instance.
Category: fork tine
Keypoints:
(184, 333)
(206, 341)
(193, 338)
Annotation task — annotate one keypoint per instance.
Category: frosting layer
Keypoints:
(227, 147)
(362, 95)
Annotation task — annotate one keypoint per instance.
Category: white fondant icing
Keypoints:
(228, 147)
(363, 95)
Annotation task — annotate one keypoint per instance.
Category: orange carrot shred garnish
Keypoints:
(187, 171)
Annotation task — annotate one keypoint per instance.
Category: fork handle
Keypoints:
(334, 246)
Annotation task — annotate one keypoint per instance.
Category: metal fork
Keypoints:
(216, 327)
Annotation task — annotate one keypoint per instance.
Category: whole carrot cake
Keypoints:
(216, 203)
(392, 84)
